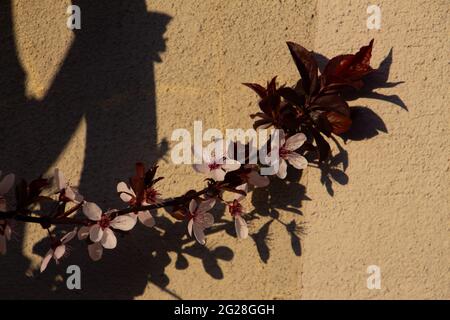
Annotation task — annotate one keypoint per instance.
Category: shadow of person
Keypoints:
(107, 79)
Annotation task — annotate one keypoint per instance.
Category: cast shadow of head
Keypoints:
(366, 123)
(106, 80)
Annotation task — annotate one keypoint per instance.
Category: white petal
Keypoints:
(69, 236)
(83, 233)
(222, 146)
(109, 240)
(201, 167)
(189, 226)
(229, 148)
(92, 211)
(8, 232)
(214, 152)
(297, 160)
(2, 244)
(6, 183)
(242, 187)
(265, 126)
(59, 252)
(282, 170)
(258, 180)
(123, 223)
(207, 156)
(95, 233)
(78, 197)
(241, 227)
(205, 220)
(125, 193)
(125, 197)
(193, 206)
(146, 218)
(295, 142)
(70, 193)
(133, 215)
(268, 159)
(231, 165)
(217, 174)
(123, 187)
(199, 234)
(46, 260)
(206, 205)
(95, 251)
(60, 180)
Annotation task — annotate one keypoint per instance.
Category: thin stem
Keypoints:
(65, 220)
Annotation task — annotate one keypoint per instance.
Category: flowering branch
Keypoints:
(305, 115)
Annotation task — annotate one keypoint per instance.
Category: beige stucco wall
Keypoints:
(111, 90)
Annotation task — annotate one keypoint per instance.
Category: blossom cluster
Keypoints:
(302, 114)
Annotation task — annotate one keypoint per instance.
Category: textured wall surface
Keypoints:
(94, 101)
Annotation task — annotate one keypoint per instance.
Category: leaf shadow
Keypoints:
(281, 195)
(379, 79)
(366, 124)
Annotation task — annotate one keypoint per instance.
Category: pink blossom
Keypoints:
(5, 235)
(5, 230)
(151, 196)
(236, 210)
(214, 165)
(66, 192)
(287, 153)
(101, 232)
(200, 218)
(58, 249)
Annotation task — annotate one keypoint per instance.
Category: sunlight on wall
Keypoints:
(42, 40)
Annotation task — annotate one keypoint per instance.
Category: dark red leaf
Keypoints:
(149, 179)
(306, 65)
(289, 117)
(272, 86)
(261, 115)
(331, 102)
(137, 182)
(292, 96)
(331, 113)
(348, 69)
(270, 103)
(261, 122)
(259, 89)
(339, 122)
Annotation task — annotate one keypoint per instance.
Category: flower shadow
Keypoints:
(280, 197)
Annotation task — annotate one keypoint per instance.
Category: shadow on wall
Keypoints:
(107, 78)
(366, 123)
